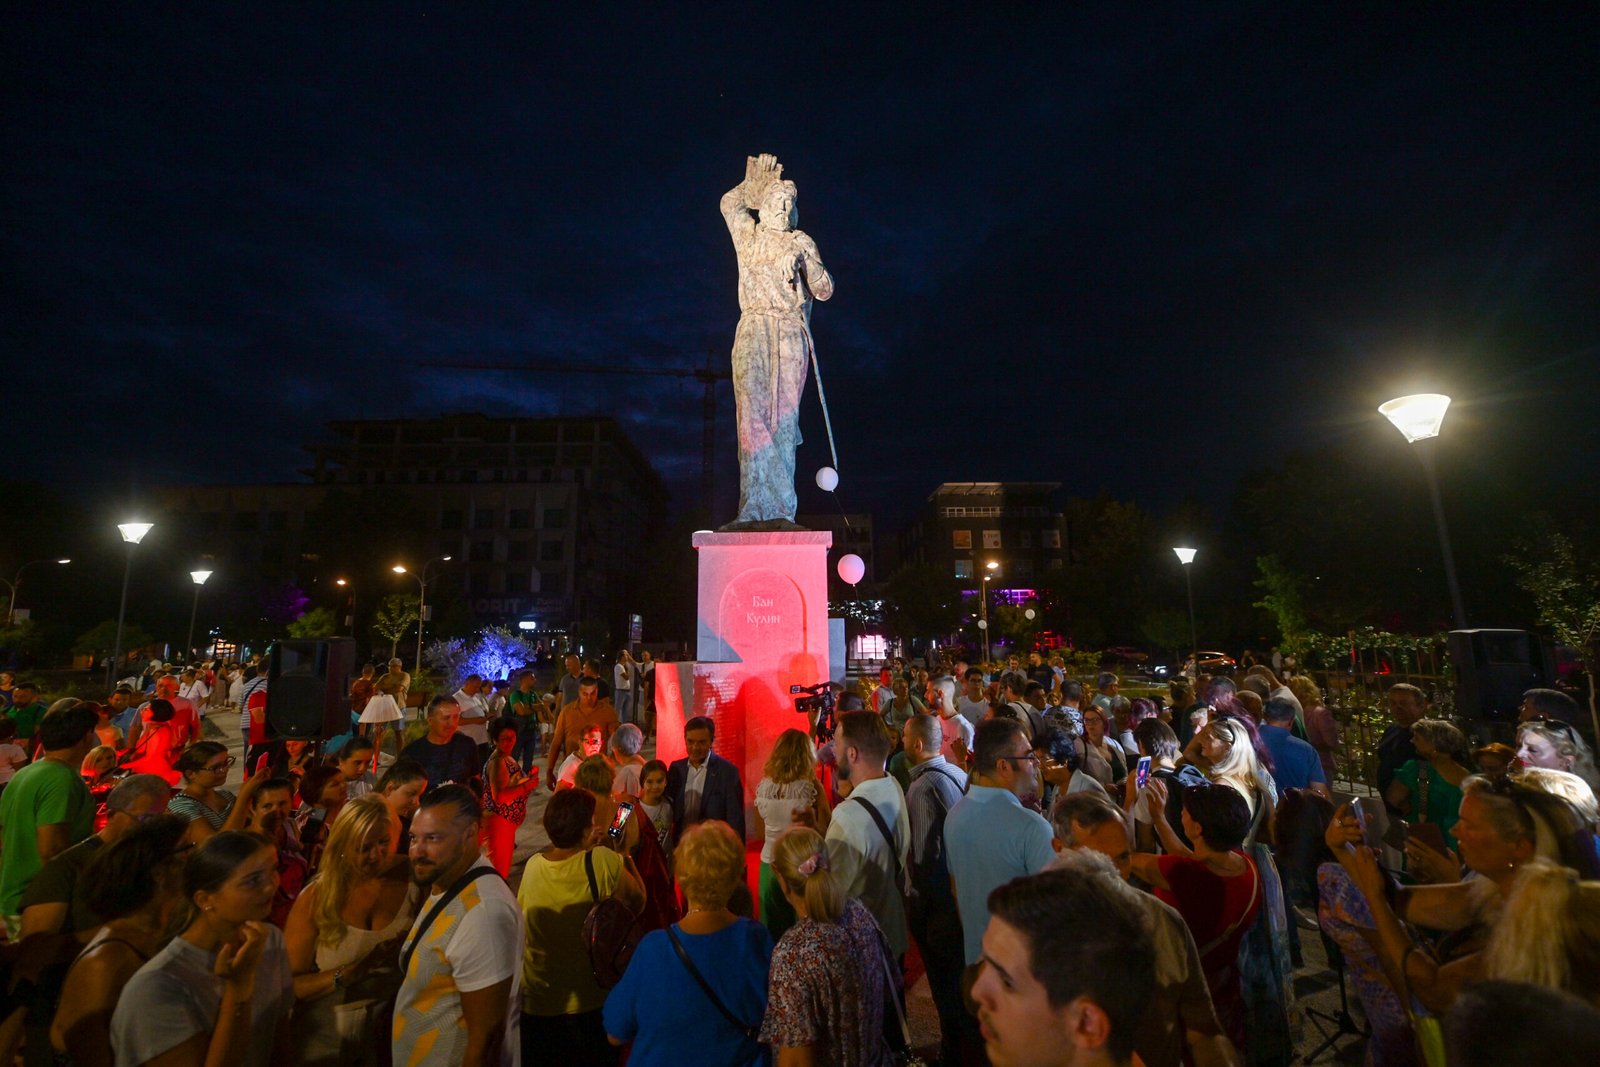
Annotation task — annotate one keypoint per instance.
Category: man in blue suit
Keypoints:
(704, 786)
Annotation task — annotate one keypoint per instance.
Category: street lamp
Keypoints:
(983, 605)
(422, 599)
(1418, 418)
(199, 579)
(1186, 557)
(11, 605)
(350, 602)
(132, 533)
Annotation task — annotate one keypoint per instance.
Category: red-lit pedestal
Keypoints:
(763, 626)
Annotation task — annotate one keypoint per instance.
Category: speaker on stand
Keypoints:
(1493, 669)
(308, 686)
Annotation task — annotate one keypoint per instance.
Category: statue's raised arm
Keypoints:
(780, 273)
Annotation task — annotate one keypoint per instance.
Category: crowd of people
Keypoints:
(1084, 877)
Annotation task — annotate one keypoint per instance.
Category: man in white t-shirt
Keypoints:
(474, 713)
(193, 688)
(973, 704)
(460, 1001)
(956, 731)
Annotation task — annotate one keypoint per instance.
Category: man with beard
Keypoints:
(460, 1002)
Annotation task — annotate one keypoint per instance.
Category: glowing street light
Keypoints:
(199, 579)
(11, 605)
(132, 533)
(422, 598)
(1185, 558)
(1419, 418)
(350, 604)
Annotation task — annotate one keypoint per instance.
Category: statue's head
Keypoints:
(778, 211)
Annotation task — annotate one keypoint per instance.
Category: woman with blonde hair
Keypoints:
(830, 976)
(1556, 745)
(696, 990)
(1549, 932)
(787, 794)
(1321, 728)
(343, 934)
(1504, 826)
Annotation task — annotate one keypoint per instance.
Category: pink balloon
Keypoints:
(851, 569)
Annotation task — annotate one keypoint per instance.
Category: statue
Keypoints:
(780, 272)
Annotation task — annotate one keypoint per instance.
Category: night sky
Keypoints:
(1140, 252)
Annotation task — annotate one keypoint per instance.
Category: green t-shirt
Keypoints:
(41, 794)
(27, 719)
(523, 705)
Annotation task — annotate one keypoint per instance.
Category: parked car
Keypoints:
(1214, 662)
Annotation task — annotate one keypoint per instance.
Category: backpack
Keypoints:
(611, 933)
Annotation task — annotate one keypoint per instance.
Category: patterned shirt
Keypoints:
(826, 990)
(473, 944)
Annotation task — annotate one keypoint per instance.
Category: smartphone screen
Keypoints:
(1361, 809)
(1142, 771)
(624, 810)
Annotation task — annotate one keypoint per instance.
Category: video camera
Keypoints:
(819, 700)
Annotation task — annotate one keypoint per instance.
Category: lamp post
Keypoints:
(422, 598)
(199, 579)
(1418, 418)
(132, 533)
(1186, 557)
(350, 604)
(983, 606)
(13, 584)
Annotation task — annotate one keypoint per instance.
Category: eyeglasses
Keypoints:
(218, 768)
(1023, 756)
(1557, 725)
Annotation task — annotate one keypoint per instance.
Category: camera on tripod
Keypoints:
(820, 701)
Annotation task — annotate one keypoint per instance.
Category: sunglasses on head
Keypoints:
(1558, 725)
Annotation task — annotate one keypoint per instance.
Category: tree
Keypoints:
(318, 622)
(394, 618)
(1167, 629)
(1566, 591)
(103, 636)
(1284, 595)
(921, 601)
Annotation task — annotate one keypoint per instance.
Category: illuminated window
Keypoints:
(1051, 538)
(961, 539)
(991, 539)
(963, 568)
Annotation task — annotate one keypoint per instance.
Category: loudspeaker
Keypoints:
(1494, 668)
(308, 685)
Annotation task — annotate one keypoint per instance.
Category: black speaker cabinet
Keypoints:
(1494, 668)
(308, 686)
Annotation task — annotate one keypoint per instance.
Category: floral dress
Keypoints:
(1343, 914)
(827, 990)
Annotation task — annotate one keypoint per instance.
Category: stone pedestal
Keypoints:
(763, 626)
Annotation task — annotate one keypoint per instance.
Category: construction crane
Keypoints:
(708, 376)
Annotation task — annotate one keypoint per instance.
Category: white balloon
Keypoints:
(983, 624)
(828, 481)
(1028, 614)
(851, 569)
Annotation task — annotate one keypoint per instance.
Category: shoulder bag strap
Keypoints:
(894, 998)
(1255, 891)
(888, 835)
(433, 913)
(1422, 792)
(950, 778)
(750, 1032)
(588, 868)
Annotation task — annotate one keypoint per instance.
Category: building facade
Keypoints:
(546, 520)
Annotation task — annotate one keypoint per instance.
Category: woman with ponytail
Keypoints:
(830, 978)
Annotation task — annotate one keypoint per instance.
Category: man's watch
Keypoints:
(338, 978)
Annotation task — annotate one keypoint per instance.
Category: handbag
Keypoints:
(905, 1055)
(750, 1033)
(611, 932)
(1426, 1030)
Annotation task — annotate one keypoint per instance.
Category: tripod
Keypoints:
(1343, 1023)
